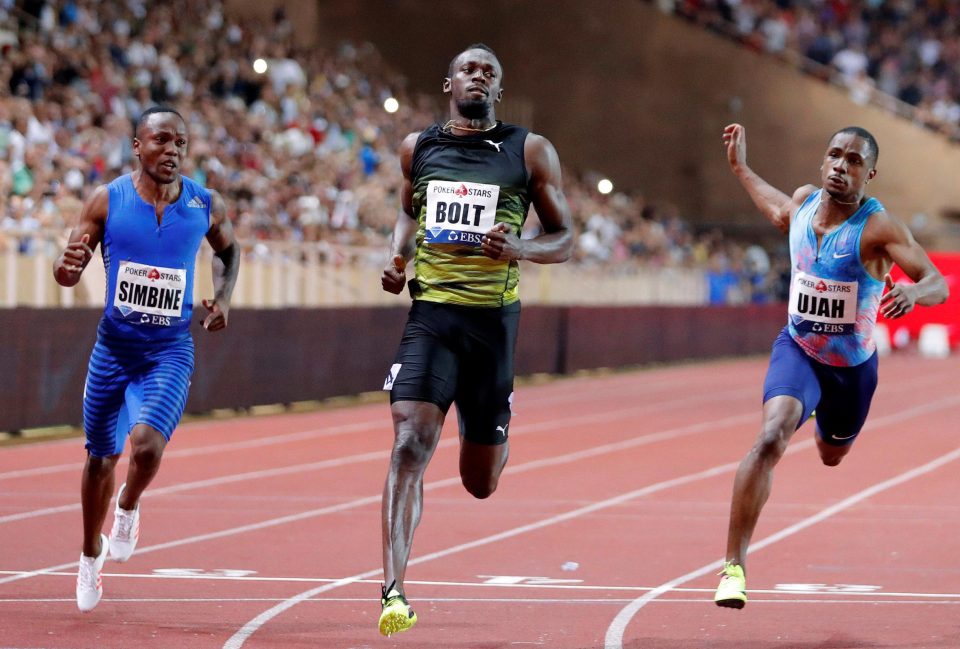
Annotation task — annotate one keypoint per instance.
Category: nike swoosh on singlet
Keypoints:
(836, 256)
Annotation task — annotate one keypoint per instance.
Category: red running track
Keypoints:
(606, 532)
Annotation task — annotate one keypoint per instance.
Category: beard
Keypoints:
(473, 108)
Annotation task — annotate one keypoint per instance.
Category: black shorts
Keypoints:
(452, 353)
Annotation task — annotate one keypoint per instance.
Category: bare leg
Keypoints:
(417, 426)
(96, 489)
(481, 466)
(830, 454)
(146, 450)
(751, 488)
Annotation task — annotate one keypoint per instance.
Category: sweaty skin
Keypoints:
(161, 146)
(847, 167)
(474, 87)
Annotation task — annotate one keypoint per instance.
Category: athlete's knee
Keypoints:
(412, 450)
(831, 455)
(417, 429)
(480, 486)
(147, 449)
(773, 441)
(99, 466)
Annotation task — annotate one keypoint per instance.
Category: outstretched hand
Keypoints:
(898, 300)
(217, 318)
(394, 275)
(735, 139)
(501, 243)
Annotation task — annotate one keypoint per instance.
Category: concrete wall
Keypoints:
(288, 355)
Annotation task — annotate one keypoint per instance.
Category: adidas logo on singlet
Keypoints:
(196, 202)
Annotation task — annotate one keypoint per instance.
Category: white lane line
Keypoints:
(314, 433)
(478, 600)
(463, 585)
(614, 635)
(257, 579)
(240, 637)
(549, 425)
(250, 627)
(368, 500)
(647, 389)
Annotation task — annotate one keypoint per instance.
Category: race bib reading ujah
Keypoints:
(822, 306)
(153, 291)
(459, 212)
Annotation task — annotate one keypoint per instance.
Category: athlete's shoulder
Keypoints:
(409, 143)
(881, 224)
(99, 198)
(538, 150)
(195, 195)
(407, 150)
(803, 193)
(119, 185)
(191, 185)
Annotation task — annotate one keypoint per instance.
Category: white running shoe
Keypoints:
(89, 585)
(125, 532)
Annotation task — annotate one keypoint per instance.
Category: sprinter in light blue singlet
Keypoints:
(833, 298)
(151, 224)
(842, 247)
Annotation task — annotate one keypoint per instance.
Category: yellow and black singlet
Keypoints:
(462, 186)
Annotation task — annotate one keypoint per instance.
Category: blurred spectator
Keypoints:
(302, 150)
(909, 50)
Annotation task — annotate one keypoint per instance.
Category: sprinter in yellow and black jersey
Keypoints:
(462, 186)
(467, 185)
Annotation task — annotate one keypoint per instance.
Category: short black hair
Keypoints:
(152, 111)
(472, 46)
(866, 135)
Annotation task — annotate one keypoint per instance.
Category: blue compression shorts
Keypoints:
(130, 383)
(840, 395)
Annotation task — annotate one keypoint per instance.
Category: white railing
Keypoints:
(277, 274)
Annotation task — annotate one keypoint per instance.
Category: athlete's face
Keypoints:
(474, 84)
(161, 145)
(847, 167)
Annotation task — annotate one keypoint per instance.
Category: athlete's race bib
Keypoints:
(822, 306)
(152, 295)
(459, 212)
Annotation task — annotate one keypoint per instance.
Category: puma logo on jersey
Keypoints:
(495, 145)
(502, 429)
(391, 376)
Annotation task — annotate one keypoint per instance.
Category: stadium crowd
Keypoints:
(303, 151)
(907, 50)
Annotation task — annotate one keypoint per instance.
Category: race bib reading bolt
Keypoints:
(460, 212)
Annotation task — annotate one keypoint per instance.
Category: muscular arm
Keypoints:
(225, 264)
(555, 244)
(86, 234)
(402, 244)
(888, 241)
(775, 206)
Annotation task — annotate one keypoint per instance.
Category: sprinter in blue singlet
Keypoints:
(150, 224)
(842, 247)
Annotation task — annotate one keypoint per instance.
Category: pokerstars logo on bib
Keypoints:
(152, 292)
(823, 306)
(459, 212)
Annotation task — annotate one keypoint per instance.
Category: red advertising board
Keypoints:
(947, 313)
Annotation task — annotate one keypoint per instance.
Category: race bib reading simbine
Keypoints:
(150, 290)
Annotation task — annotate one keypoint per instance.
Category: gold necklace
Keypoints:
(451, 125)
